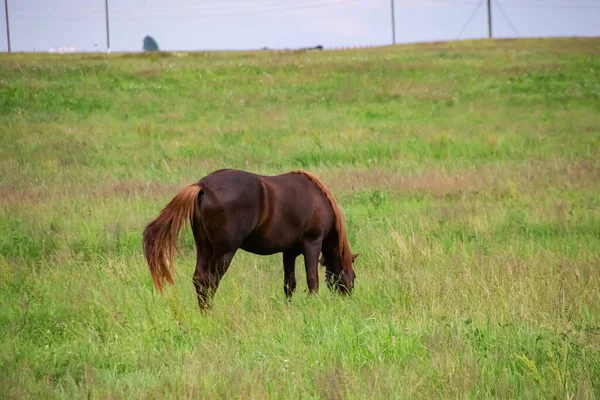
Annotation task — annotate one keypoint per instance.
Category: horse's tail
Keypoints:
(340, 226)
(161, 235)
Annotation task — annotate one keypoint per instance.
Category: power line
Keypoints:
(203, 11)
(572, 4)
(550, 6)
(551, 2)
(267, 7)
(448, 2)
(507, 19)
(254, 12)
(470, 18)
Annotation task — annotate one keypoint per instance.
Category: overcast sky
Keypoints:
(38, 25)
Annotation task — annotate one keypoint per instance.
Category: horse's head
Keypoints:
(336, 276)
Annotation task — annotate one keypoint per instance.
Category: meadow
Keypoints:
(469, 177)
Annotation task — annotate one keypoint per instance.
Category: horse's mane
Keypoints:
(344, 246)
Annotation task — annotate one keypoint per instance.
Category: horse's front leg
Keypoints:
(289, 273)
(311, 262)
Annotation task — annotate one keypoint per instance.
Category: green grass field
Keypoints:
(469, 175)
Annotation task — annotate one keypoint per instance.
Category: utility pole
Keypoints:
(7, 27)
(107, 30)
(393, 23)
(489, 4)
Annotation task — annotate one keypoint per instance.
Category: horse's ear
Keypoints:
(355, 256)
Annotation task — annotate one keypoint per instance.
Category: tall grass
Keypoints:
(468, 174)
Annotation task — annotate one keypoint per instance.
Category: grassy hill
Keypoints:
(469, 174)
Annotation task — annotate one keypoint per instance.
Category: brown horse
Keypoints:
(293, 214)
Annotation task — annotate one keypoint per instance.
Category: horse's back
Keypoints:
(300, 211)
(262, 214)
(229, 185)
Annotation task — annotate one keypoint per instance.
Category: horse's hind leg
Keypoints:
(201, 276)
(289, 273)
(217, 266)
(210, 268)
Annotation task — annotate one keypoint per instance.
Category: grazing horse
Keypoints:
(292, 213)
